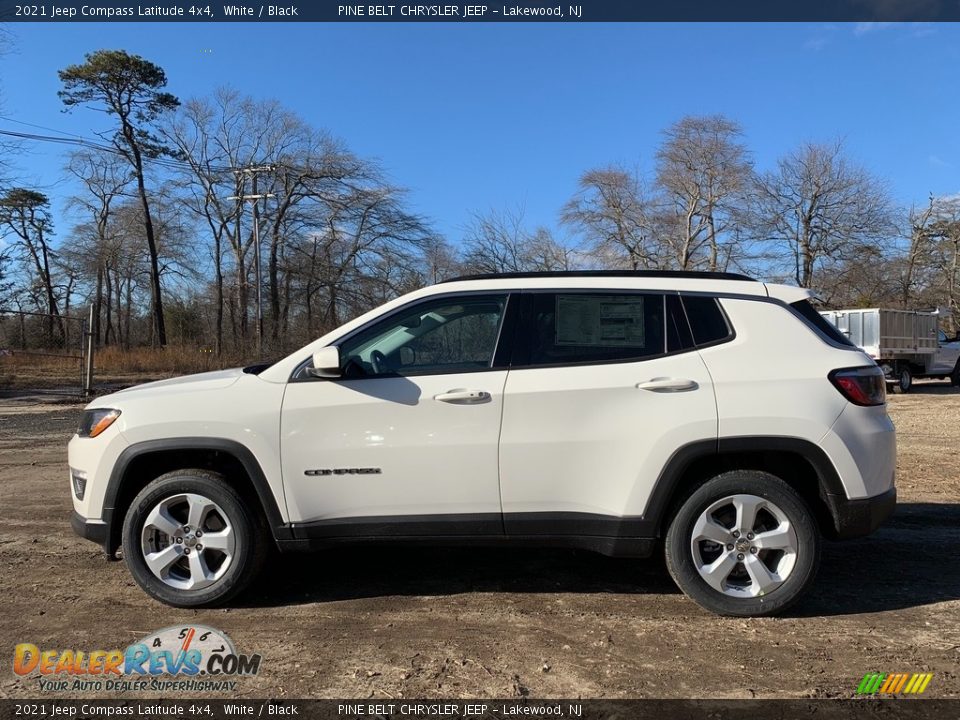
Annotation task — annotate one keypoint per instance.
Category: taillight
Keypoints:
(861, 385)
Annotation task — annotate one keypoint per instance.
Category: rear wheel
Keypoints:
(190, 540)
(744, 544)
(904, 380)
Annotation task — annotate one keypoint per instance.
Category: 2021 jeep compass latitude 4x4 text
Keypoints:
(718, 417)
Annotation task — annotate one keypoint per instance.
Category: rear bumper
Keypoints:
(856, 518)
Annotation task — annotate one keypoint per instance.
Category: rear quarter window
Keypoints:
(820, 323)
(707, 322)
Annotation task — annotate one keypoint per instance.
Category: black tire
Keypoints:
(251, 541)
(904, 380)
(680, 554)
(955, 375)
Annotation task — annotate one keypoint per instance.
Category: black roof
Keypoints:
(692, 274)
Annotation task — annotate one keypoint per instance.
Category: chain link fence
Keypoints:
(46, 354)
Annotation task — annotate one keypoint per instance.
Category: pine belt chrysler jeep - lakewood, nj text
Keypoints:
(718, 417)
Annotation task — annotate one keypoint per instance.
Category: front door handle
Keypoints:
(668, 385)
(463, 397)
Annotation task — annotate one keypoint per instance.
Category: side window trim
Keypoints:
(512, 300)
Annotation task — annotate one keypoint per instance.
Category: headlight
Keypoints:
(96, 421)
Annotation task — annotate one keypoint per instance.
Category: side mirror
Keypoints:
(326, 363)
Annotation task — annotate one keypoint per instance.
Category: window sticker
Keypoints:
(599, 321)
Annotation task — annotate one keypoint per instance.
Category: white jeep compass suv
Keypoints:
(612, 411)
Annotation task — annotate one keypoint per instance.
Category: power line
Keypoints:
(170, 163)
(79, 141)
(39, 127)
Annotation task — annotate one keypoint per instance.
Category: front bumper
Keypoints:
(856, 518)
(97, 531)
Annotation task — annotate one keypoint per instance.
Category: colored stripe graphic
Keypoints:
(894, 683)
(865, 684)
(901, 681)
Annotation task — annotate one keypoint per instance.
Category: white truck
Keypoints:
(906, 344)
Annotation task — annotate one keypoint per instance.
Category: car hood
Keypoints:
(216, 380)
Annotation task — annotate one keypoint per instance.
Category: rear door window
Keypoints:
(578, 328)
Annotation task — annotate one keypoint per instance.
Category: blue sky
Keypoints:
(473, 117)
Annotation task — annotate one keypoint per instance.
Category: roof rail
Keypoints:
(692, 274)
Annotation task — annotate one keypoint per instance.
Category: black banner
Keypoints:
(397, 709)
(482, 11)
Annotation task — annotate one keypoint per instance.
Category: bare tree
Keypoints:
(25, 215)
(127, 276)
(336, 235)
(440, 262)
(820, 207)
(369, 237)
(106, 180)
(946, 255)
(205, 138)
(297, 167)
(703, 169)
(921, 236)
(309, 177)
(498, 242)
(617, 217)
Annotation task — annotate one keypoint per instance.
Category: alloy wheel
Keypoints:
(188, 541)
(744, 546)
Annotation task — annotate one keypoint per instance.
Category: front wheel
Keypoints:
(743, 544)
(190, 540)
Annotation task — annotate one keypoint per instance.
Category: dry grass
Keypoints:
(111, 365)
(169, 360)
(18, 371)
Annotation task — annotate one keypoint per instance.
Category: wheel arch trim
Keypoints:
(241, 453)
(671, 479)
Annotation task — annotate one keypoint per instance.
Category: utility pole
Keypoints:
(253, 171)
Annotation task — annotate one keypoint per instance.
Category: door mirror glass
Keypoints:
(326, 363)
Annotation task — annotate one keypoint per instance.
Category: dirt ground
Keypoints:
(383, 623)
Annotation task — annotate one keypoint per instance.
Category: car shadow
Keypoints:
(906, 563)
(909, 562)
(929, 387)
(368, 571)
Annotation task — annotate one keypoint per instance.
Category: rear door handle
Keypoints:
(463, 397)
(668, 385)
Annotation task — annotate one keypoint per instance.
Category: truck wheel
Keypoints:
(190, 540)
(743, 544)
(955, 375)
(904, 381)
